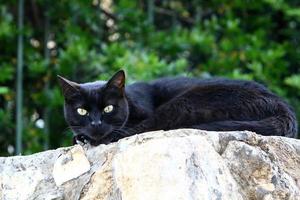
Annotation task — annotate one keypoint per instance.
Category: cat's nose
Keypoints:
(96, 123)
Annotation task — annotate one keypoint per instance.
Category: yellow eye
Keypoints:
(108, 108)
(81, 111)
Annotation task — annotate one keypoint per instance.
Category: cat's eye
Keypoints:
(108, 109)
(82, 111)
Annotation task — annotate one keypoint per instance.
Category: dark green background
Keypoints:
(90, 40)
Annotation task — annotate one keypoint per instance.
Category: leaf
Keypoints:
(3, 90)
(293, 81)
(293, 12)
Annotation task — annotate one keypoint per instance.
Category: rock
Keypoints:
(70, 165)
(169, 165)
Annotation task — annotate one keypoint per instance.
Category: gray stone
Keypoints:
(182, 164)
(70, 165)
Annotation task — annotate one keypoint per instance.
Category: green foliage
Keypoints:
(293, 81)
(90, 40)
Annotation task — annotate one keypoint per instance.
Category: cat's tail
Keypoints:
(282, 124)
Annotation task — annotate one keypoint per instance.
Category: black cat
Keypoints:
(103, 112)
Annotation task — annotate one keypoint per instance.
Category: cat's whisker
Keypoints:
(121, 132)
(66, 130)
(75, 126)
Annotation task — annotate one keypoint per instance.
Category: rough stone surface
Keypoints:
(181, 164)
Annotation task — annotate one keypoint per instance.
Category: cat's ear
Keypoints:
(69, 88)
(117, 80)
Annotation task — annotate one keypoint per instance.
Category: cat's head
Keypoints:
(95, 111)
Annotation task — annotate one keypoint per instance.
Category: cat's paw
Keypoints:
(80, 139)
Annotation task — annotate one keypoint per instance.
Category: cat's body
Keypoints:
(171, 103)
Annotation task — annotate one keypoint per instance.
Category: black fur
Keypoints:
(171, 103)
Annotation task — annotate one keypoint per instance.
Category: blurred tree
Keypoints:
(89, 40)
